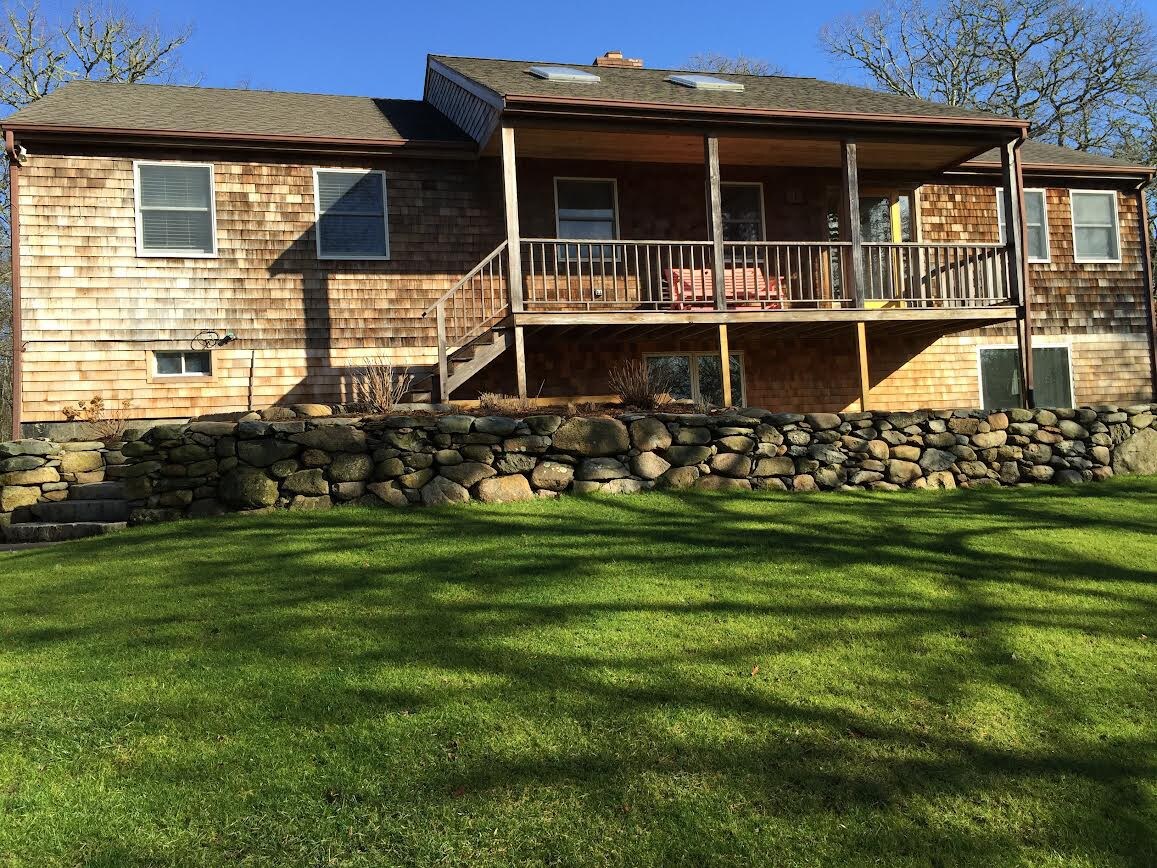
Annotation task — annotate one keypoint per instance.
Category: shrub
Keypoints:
(380, 386)
(496, 402)
(638, 385)
(106, 420)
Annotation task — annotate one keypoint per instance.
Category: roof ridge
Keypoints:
(620, 68)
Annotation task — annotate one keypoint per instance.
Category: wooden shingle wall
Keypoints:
(93, 308)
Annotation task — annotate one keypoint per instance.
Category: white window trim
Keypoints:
(1116, 226)
(185, 375)
(696, 395)
(1056, 343)
(762, 214)
(317, 170)
(614, 182)
(169, 253)
(1044, 214)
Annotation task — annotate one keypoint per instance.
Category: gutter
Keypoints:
(1065, 169)
(14, 238)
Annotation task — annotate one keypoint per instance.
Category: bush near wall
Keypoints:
(208, 468)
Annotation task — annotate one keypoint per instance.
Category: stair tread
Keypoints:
(59, 531)
(97, 491)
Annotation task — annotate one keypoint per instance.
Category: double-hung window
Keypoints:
(1000, 377)
(175, 213)
(698, 377)
(1095, 232)
(586, 208)
(742, 211)
(1036, 229)
(351, 214)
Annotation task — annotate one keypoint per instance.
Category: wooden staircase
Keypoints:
(470, 317)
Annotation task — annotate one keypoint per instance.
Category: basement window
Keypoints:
(183, 363)
(1000, 377)
(351, 214)
(705, 82)
(697, 377)
(564, 73)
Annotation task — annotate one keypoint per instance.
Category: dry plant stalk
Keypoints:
(496, 402)
(380, 386)
(638, 385)
(107, 420)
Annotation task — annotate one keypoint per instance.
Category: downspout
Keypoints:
(1025, 286)
(14, 238)
(1147, 279)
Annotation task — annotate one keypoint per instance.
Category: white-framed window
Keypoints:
(1096, 233)
(352, 215)
(176, 214)
(742, 203)
(183, 363)
(999, 367)
(698, 377)
(1036, 223)
(586, 208)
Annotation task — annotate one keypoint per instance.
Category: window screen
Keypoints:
(176, 208)
(1000, 377)
(351, 215)
(1094, 226)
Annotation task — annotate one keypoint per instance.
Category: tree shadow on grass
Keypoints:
(919, 657)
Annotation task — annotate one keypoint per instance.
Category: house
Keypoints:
(526, 226)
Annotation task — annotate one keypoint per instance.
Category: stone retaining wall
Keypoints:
(207, 468)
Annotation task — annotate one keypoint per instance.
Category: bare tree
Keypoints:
(38, 53)
(1069, 67)
(740, 64)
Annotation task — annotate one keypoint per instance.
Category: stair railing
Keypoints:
(473, 305)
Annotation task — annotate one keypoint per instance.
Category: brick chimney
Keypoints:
(615, 58)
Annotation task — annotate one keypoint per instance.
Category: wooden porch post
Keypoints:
(725, 364)
(862, 358)
(850, 222)
(1013, 194)
(715, 211)
(510, 204)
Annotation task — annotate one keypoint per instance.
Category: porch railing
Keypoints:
(576, 274)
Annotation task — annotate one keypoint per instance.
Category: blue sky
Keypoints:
(379, 48)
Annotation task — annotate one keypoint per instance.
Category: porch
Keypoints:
(837, 252)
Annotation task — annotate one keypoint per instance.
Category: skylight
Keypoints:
(705, 82)
(564, 73)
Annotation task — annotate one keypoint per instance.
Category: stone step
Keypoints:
(97, 491)
(82, 510)
(51, 531)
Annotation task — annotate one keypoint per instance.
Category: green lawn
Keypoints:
(895, 679)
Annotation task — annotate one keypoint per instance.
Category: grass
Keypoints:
(917, 679)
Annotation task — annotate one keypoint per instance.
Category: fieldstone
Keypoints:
(678, 478)
(543, 425)
(408, 441)
(310, 482)
(935, 460)
(26, 447)
(277, 414)
(905, 420)
(499, 426)
(692, 436)
(504, 489)
(311, 411)
(467, 473)
(419, 460)
(515, 463)
(282, 469)
(830, 477)
(822, 421)
(731, 464)
(768, 434)
(878, 449)
(456, 424)
(1141, 420)
(1038, 453)
(1068, 477)
(350, 467)
(997, 421)
(586, 486)
(780, 466)
(552, 476)
(417, 479)
(21, 462)
(440, 491)
(685, 455)
(804, 483)
(1045, 418)
(1072, 430)
(447, 456)
(137, 449)
(1101, 455)
(248, 488)
(532, 443)
(1022, 429)
(735, 443)
(967, 426)
(941, 479)
(178, 499)
(650, 434)
(648, 465)
(346, 491)
(293, 426)
(13, 497)
(141, 487)
(989, 439)
(827, 454)
(593, 436)
(722, 483)
(974, 469)
(388, 493)
(1041, 473)
(943, 440)
(389, 468)
(905, 452)
(798, 438)
(205, 508)
(601, 470)
(477, 452)
(30, 477)
(302, 502)
(1137, 455)
(265, 451)
(332, 438)
(865, 477)
(902, 472)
